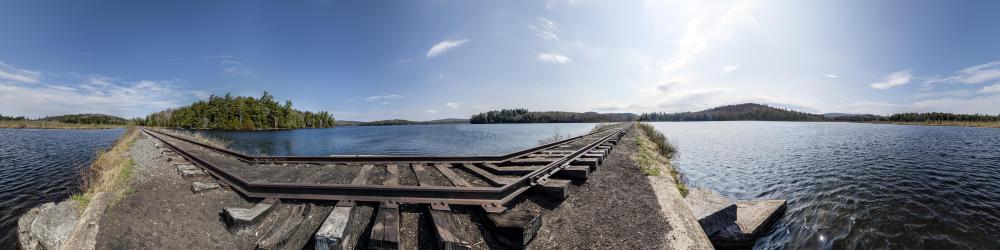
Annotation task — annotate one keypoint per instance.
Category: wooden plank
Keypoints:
(557, 189)
(576, 173)
(423, 177)
(334, 230)
(445, 229)
(393, 178)
(515, 228)
(489, 177)
(385, 231)
(444, 225)
(362, 177)
(455, 179)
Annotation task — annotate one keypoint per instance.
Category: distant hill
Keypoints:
(87, 119)
(402, 122)
(525, 116)
(738, 112)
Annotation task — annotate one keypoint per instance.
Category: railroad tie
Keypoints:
(515, 228)
(333, 232)
(280, 235)
(443, 219)
(385, 231)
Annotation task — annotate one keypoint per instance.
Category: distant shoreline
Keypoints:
(54, 125)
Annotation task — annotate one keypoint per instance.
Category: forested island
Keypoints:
(525, 116)
(738, 112)
(239, 113)
(393, 122)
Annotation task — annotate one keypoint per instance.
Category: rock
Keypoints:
(47, 226)
(198, 187)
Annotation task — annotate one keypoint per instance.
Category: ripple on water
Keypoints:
(853, 185)
(38, 166)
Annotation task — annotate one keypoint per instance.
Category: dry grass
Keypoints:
(110, 172)
(53, 125)
(655, 153)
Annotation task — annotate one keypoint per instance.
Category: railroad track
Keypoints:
(438, 182)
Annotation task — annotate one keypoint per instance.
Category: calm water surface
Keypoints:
(444, 139)
(42, 165)
(848, 185)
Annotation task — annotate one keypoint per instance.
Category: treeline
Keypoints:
(12, 118)
(239, 113)
(73, 119)
(393, 122)
(738, 112)
(525, 116)
(87, 119)
(938, 116)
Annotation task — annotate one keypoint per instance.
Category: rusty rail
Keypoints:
(491, 198)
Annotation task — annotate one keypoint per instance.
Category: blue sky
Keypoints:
(368, 60)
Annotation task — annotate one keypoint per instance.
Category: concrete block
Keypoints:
(240, 219)
(84, 235)
(47, 226)
(198, 187)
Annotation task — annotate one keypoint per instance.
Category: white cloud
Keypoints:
(231, 65)
(554, 58)
(995, 88)
(11, 73)
(973, 75)
(445, 46)
(725, 70)
(832, 75)
(123, 99)
(697, 37)
(431, 111)
(893, 80)
(546, 29)
(451, 105)
(99, 80)
(384, 97)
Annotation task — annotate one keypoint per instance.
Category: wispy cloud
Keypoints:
(554, 58)
(667, 86)
(9, 72)
(451, 105)
(832, 75)
(383, 98)
(129, 99)
(431, 111)
(231, 65)
(995, 88)
(895, 79)
(973, 75)
(445, 46)
(726, 69)
(546, 29)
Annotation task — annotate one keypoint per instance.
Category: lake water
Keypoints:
(850, 185)
(847, 185)
(442, 140)
(42, 165)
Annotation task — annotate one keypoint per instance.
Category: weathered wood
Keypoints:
(385, 231)
(444, 225)
(362, 177)
(393, 178)
(590, 162)
(577, 173)
(335, 227)
(489, 177)
(555, 188)
(239, 220)
(455, 179)
(279, 236)
(515, 228)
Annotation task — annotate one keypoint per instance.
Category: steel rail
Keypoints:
(488, 197)
(377, 158)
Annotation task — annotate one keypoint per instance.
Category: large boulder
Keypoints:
(47, 226)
